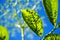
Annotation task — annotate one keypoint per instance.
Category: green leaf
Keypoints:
(59, 25)
(51, 7)
(4, 35)
(52, 37)
(33, 21)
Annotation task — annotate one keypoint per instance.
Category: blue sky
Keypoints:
(9, 22)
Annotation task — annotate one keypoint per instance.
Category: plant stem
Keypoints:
(22, 32)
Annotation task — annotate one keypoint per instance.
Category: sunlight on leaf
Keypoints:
(4, 35)
(52, 37)
(51, 7)
(33, 20)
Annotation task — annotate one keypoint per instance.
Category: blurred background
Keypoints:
(11, 18)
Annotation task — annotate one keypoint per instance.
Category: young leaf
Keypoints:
(33, 21)
(51, 7)
(52, 37)
(4, 35)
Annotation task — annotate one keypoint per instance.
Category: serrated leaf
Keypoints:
(4, 35)
(52, 37)
(51, 7)
(33, 21)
